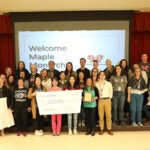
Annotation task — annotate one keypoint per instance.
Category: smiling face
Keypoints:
(89, 82)
(72, 80)
(37, 81)
(54, 82)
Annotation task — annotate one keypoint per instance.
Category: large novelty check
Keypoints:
(59, 102)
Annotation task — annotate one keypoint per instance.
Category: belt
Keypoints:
(105, 98)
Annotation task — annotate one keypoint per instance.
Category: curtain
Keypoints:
(7, 54)
(140, 37)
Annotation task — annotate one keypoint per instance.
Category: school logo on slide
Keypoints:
(99, 58)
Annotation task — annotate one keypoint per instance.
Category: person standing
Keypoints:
(145, 65)
(6, 117)
(20, 107)
(104, 102)
(38, 120)
(119, 83)
(89, 103)
(72, 85)
(55, 118)
(137, 87)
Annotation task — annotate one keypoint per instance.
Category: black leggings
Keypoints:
(38, 123)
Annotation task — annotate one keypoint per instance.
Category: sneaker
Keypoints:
(70, 132)
(122, 123)
(38, 133)
(79, 124)
(75, 131)
(42, 133)
(114, 123)
(134, 124)
(18, 133)
(83, 124)
(140, 124)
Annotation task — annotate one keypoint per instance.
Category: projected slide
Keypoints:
(39, 47)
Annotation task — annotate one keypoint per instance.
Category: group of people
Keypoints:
(107, 95)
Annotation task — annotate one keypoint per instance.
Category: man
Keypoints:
(83, 68)
(145, 65)
(95, 65)
(104, 103)
(52, 72)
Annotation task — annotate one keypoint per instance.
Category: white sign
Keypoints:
(59, 102)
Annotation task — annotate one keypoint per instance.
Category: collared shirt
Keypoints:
(105, 89)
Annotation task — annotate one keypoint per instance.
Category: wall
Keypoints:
(48, 5)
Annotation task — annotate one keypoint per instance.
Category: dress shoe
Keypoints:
(110, 132)
(18, 133)
(101, 132)
(93, 133)
(88, 133)
(24, 133)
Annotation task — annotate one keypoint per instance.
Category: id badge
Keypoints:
(119, 88)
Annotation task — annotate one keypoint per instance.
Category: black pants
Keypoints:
(146, 110)
(90, 118)
(21, 116)
(38, 123)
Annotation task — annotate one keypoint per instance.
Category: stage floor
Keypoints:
(121, 140)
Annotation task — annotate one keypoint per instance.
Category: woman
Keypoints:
(37, 118)
(128, 73)
(56, 125)
(46, 81)
(109, 70)
(6, 117)
(81, 85)
(62, 80)
(119, 83)
(94, 75)
(62, 84)
(21, 67)
(69, 70)
(21, 106)
(137, 87)
(33, 74)
(72, 85)
(89, 103)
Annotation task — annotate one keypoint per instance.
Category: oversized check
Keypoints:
(59, 102)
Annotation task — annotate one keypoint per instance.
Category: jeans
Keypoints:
(81, 115)
(118, 102)
(136, 105)
(75, 118)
